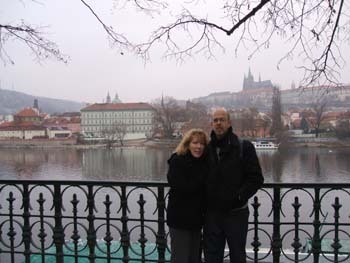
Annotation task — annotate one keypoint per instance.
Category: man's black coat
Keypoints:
(234, 176)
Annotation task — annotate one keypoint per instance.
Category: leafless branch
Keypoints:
(31, 37)
(314, 31)
(115, 37)
(311, 30)
(146, 6)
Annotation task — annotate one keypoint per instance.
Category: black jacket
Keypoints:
(234, 177)
(186, 176)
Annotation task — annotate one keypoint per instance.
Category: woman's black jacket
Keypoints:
(186, 203)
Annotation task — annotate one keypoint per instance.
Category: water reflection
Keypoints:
(303, 165)
(38, 163)
(125, 164)
(268, 161)
(306, 165)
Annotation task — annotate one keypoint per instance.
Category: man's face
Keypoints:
(220, 123)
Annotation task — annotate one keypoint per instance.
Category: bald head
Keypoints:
(221, 111)
(220, 122)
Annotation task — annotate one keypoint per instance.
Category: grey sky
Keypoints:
(95, 68)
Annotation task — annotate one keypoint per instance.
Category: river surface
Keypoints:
(297, 165)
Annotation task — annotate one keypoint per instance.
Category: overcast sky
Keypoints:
(95, 68)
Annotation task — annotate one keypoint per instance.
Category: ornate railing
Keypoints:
(78, 221)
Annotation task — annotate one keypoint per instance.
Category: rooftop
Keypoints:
(118, 106)
(27, 112)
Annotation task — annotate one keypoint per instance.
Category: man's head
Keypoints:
(220, 122)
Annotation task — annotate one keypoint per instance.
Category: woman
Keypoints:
(186, 176)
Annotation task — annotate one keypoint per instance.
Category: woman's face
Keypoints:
(196, 147)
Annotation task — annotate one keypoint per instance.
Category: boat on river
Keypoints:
(265, 145)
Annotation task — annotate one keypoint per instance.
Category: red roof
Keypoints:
(118, 106)
(27, 125)
(6, 124)
(56, 121)
(27, 112)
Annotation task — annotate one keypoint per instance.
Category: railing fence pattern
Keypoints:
(98, 221)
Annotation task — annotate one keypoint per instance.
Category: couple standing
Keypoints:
(210, 184)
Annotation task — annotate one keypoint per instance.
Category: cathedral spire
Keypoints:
(108, 99)
(162, 101)
(36, 104)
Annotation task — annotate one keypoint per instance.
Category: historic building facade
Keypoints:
(250, 84)
(26, 125)
(135, 118)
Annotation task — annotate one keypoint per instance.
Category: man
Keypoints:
(235, 176)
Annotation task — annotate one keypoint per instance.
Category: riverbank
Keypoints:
(72, 143)
(160, 143)
(317, 142)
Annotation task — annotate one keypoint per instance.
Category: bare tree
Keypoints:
(265, 123)
(167, 113)
(196, 117)
(114, 133)
(244, 121)
(33, 38)
(319, 108)
(342, 128)
(314, 31)
(304, 125)
(276, 113)
(195, 110)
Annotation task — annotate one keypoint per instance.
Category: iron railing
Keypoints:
(100, 221)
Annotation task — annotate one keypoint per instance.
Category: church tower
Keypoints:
(108, 99)
(116, 99)
(248, 82)
(36, 104)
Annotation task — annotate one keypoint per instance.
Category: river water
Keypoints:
(296, 165)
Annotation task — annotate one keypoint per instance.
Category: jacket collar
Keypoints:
(229, 140)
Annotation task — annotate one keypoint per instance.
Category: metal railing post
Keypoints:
(296, 243)
(91, 236)
(26, 234)
(316, 240)
(58, 234)
(161, 237)
(125, 238)
(276, 236)
(256, 243)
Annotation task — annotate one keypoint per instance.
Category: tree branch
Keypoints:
(115, 37)
(41, 47)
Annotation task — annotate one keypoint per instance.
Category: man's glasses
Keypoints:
(216, 120)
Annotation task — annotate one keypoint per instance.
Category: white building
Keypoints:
(58, 132)
(26, 125)
(136, 118)
(22, 131)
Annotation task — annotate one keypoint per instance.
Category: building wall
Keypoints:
(11, 134)
(22, 134)
(59, 133)
(138, 123)
(29, 134)
(74, 127)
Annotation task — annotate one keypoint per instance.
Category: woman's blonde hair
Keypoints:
(183, 146)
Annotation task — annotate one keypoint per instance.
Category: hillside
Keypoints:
(12, 101)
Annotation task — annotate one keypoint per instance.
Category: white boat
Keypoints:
(265, 145)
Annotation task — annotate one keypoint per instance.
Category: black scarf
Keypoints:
(222, 142)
